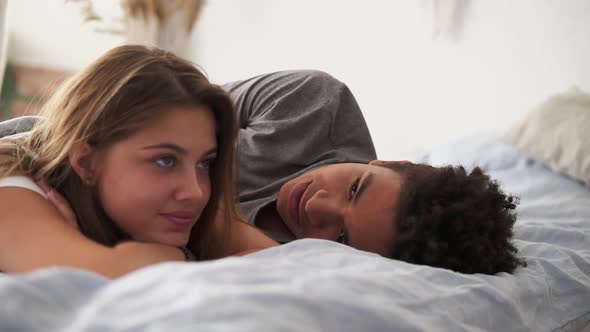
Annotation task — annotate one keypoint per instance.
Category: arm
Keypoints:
(33, 236)
(313, 114)
(245, 239)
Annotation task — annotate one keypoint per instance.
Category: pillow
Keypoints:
(558, 134)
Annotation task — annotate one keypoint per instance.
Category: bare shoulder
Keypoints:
(18, 203)
(33, 234)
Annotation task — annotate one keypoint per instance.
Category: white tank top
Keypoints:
(22, 182)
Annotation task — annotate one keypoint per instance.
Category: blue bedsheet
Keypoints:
(314, 285)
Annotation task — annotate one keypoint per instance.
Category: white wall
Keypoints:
(3, 39)
(51, 33)
(415, 91)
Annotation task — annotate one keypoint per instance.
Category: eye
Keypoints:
(166, 161)
(206, 164)
(354, 187)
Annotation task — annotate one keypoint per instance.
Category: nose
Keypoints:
(323, 210)
(192, 187)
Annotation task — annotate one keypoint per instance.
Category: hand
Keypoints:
(61, 204)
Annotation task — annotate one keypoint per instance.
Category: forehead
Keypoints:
(176, 120)
(190, 128)
(370, 222)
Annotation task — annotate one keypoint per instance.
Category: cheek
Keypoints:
(132, 198)
(333, 183)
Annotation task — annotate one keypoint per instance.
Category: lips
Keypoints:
(181, 218)
(295, 200)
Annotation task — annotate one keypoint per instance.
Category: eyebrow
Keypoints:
(177, 148)
(363, 187)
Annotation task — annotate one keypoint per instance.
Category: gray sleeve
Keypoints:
(18, 125)
(292, 121)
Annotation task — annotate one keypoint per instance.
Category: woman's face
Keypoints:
(155, 184)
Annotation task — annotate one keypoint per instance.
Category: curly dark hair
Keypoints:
(452, 219)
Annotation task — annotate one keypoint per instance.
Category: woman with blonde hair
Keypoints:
(141, 147)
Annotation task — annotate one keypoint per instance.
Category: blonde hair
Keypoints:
(108, 101)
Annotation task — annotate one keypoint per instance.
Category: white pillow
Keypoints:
(558, 134)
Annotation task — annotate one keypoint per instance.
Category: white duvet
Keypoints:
(315, 285)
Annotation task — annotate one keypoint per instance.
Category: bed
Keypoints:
(316, 285)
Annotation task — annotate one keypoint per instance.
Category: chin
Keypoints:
(180, 243)
(173, 240)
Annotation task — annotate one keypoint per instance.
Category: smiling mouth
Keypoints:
(294, 202)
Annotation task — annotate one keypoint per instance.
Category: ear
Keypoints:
(82, 159)
(383, 163)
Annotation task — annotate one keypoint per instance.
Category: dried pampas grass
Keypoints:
(160, 10)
